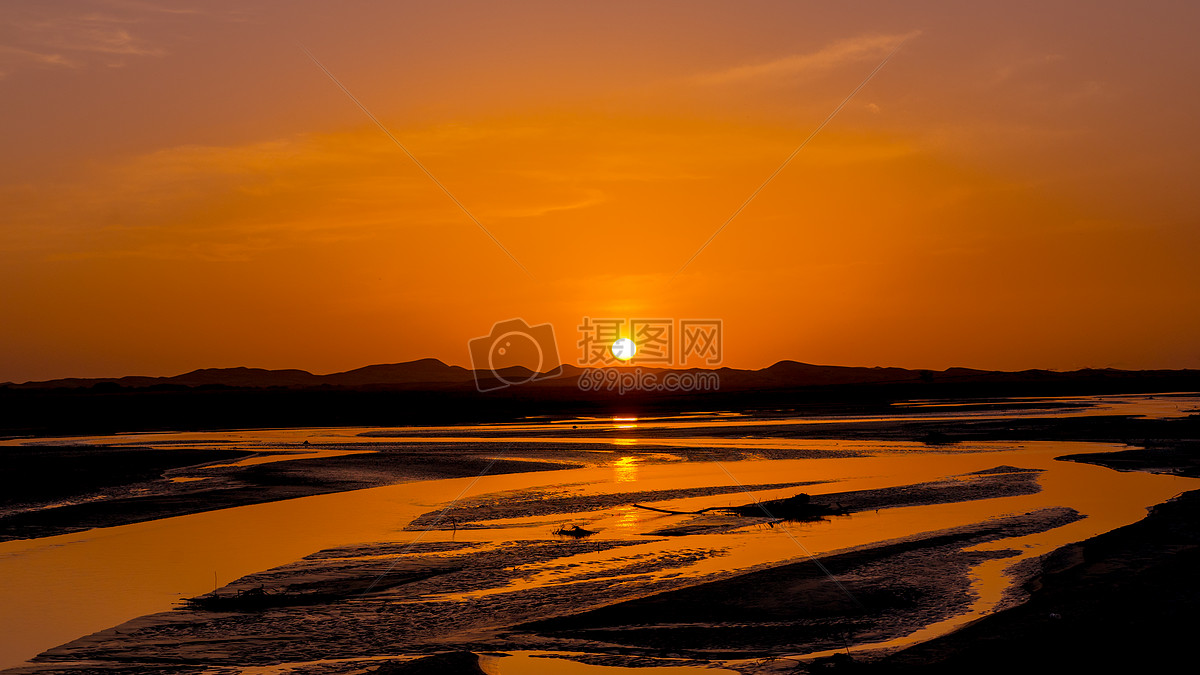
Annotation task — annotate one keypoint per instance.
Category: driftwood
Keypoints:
(682, 513)
(791, 508)
(576, 531)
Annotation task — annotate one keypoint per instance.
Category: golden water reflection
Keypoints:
(625, 470)
(625, 422)
(58, 588)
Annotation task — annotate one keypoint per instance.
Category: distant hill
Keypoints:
(436, 375)
(429, 392)
(411, 372)
(408, 373)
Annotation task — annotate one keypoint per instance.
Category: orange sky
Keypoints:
(183, 188)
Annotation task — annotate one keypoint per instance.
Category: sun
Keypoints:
(624, 349)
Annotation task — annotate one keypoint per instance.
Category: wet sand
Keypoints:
(163, 475)
(1123, 601)
(382, 599)
(152, 484)
(880, 591)
(686, 603)
(487, 576)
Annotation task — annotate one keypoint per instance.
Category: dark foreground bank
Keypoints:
(1124, 601)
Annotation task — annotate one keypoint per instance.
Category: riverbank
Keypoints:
(73, 488)
(54, 488)
(1125, 600)
(506, 591)
(478, 564)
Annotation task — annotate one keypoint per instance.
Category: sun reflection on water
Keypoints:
(625, 422)
(625, 470)
(627, 518)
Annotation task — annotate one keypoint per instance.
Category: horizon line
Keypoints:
(627, 366)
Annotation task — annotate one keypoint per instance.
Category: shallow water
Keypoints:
(1159, 406)
(59, 588)
(1087, 488)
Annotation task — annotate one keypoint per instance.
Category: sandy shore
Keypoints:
(121, 485)
(1124, 601)
(375, 607)
(380, 600)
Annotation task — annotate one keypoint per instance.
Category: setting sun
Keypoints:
(624, 349)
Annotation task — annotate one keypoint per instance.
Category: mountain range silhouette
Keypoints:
(438, 375)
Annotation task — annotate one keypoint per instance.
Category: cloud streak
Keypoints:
(50, 36)
(10, 57)
(850, 50)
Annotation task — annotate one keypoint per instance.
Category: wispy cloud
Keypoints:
(104, 33)
(863, 47)
(593, 197)
(234, 202)
(151, 7)
(572, 177)
(15, 56)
